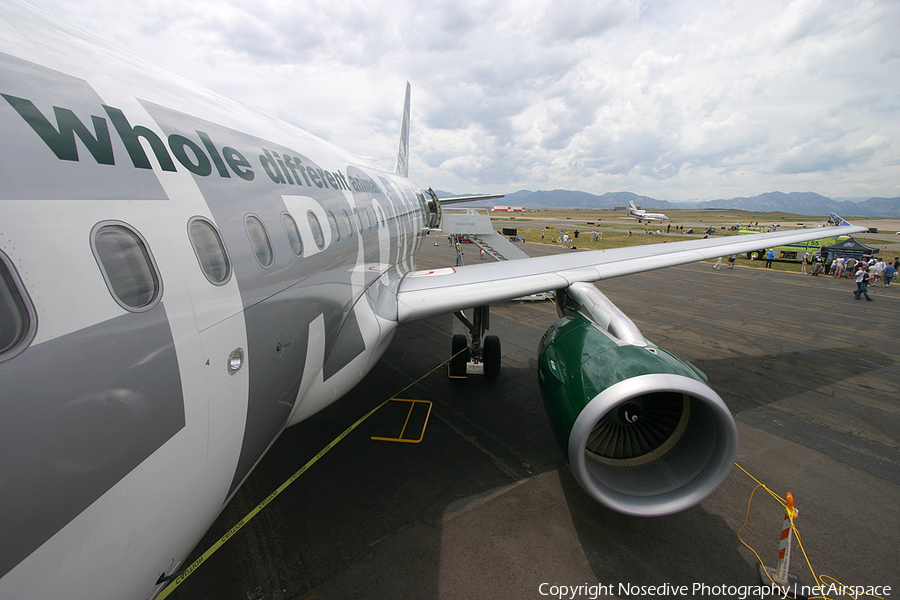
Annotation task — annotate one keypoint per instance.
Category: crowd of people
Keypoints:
(877, 269)
(865, 272)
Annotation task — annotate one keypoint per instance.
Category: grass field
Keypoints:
(680, 216)
(615, 229)
(622, 240)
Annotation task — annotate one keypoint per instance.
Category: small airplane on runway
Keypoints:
(182, 278)
(642, 215)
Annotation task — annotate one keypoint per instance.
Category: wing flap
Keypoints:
(428, 293)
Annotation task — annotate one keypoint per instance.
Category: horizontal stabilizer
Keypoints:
(460, 199)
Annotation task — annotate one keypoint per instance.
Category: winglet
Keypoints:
(402, 168)
(840, 221)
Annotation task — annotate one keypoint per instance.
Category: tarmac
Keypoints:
(485, 507)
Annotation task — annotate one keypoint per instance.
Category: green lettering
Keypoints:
(130, 137)
(178, 144)
(213, 154)
(271, 168)
(238, 164)
(62, 142)
(315, 177)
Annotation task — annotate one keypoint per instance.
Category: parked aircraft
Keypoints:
(182, 277)
(642, 215)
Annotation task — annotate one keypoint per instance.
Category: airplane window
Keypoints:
(127, 266)
(335, 232)
(17, 322)
(348, 223)
(316, 227)
(209, 250)
(259, 240)
(290, 227)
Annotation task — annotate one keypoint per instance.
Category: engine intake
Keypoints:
(642, 431)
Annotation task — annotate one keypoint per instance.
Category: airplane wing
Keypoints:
(427, 293)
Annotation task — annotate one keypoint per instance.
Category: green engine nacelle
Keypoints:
(643, 432)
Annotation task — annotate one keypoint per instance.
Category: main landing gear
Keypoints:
(486, 354)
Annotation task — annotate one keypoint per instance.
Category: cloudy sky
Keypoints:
(676, 100)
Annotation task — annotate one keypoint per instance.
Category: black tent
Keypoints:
(850, 247)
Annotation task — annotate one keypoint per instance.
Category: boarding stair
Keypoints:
(477, 228)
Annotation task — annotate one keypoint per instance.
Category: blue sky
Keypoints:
(674, 100)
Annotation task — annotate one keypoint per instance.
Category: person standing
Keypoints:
(889, 272)
(818, 263)
(718, 265)
(862, 282)
(770, 255)
(837, 268)
(805, 262)
(880, 266)
(731, 260)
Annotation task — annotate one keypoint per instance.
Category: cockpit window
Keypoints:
(209, 250)
(127, 266)
(17, 316)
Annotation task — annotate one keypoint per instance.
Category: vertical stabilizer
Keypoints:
(402, 168)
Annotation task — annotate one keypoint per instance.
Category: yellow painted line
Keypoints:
(240, 524)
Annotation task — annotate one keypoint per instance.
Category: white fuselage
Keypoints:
(645, 216)
(127, 426)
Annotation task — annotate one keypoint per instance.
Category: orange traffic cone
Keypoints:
(787, 582)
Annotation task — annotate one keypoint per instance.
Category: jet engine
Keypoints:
(642, 431)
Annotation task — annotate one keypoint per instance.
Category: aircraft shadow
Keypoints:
(485, 506)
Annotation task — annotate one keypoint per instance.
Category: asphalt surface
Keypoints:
(485, 506)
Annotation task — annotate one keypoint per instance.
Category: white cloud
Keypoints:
(669, 99)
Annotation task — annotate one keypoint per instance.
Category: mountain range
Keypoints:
(803, 203)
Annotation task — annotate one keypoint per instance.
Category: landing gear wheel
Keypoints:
(491, 356)
(460, 355)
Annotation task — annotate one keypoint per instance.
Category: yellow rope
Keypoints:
(820, 580)
(240, 524)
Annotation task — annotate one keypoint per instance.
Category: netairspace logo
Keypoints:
(667, 590)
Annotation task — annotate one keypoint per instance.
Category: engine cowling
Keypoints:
(642, 431)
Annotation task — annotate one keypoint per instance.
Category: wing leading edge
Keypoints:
(428, 293)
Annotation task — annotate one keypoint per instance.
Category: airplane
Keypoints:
(642, 215)
(182, 277)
